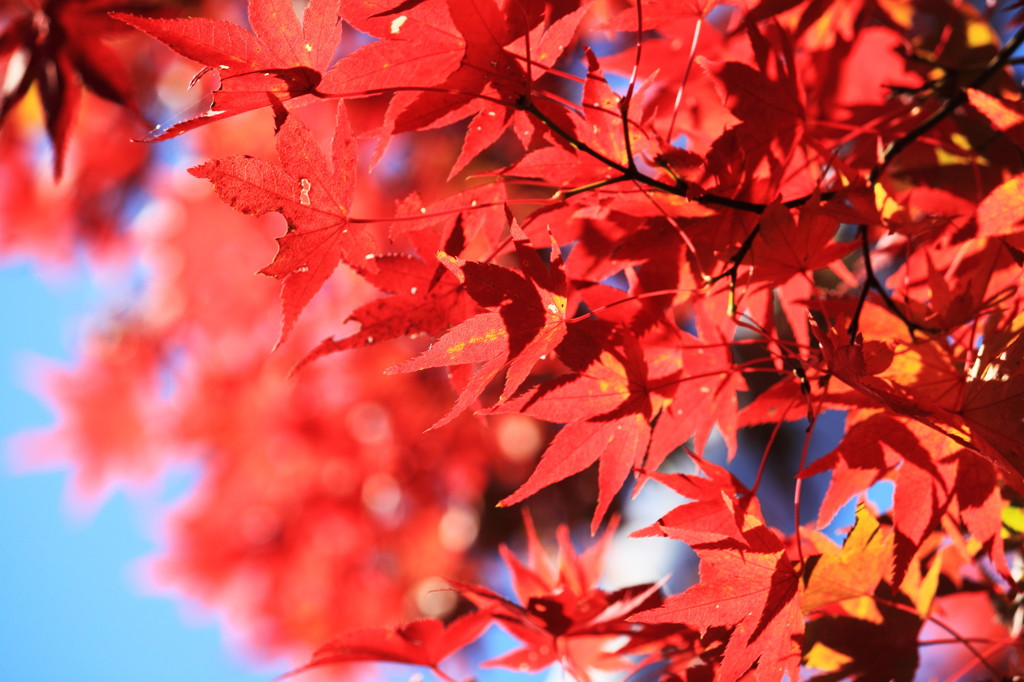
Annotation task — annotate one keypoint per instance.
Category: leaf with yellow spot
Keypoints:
(607, 410)
(526, 322)
(1013, 520)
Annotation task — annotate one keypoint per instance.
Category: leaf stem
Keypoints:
(733, 270)
(627, 299)
(566, 193)
(959, 638)
(767, 449)
(812, 419)
(628, 99)
(686, 74)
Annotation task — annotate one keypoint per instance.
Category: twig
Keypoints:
(901, 143)
(681, 188)
(893, 149)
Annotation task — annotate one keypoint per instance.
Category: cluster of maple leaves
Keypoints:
(593, 231)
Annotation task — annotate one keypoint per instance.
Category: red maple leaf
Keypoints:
(562, 615)
(772, 122)
(527, 321)
(488, 82)
(786, 247)
(424, 642)
(280, 60)
(419, 305)
(600, 130)
(700, 393)
(606, 408)
(748, 584)
(64, 45)
(417, 46)
(312, 195)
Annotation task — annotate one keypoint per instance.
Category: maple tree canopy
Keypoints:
(532, 256)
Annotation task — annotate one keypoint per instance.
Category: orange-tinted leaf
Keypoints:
(1000, 213)
(865, 649)
(855, 570)
(1007, 117)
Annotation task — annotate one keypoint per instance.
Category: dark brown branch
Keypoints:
(894, 148)
(681, 188)
(947, 108)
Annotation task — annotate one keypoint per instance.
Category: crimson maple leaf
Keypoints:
(489, 79)
(787, 247)
(562, 615)
(699, 395)
(424, 642)
(600, 131)
(64, 48)
(312, 196)
(527, 321)
(606, 408)
(426, 298)
(417, 45)
(747, 583)
(772, 122)
(418, 305)
(280, 60)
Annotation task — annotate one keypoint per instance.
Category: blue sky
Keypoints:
(73, 608)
